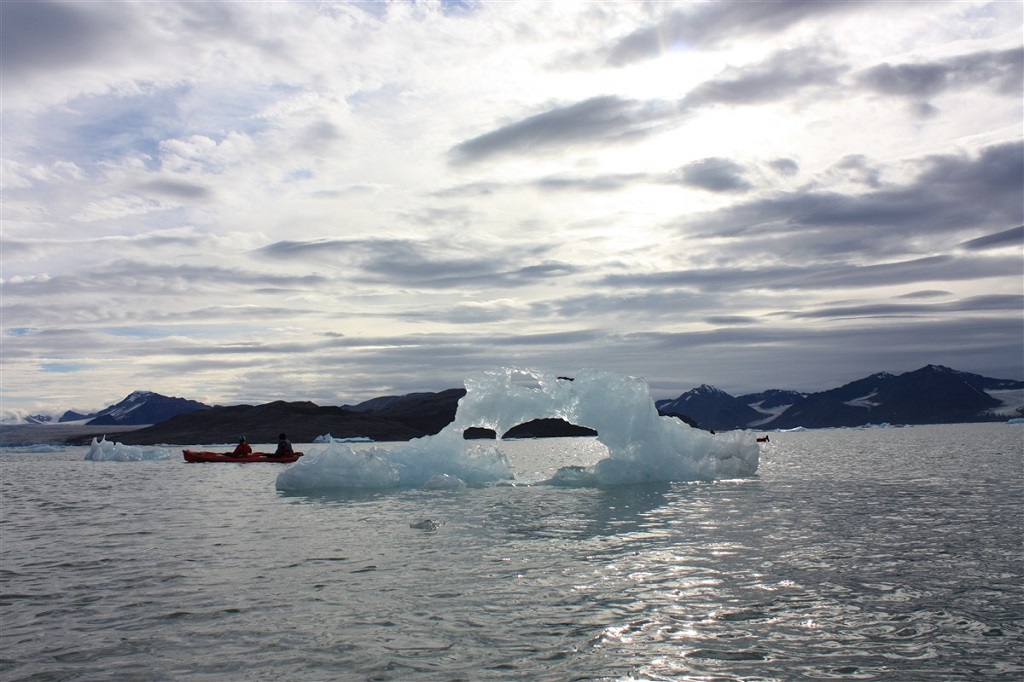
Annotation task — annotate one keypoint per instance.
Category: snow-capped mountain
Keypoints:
(139, 407)
(771, 403)
(931, 395)
(711, 408)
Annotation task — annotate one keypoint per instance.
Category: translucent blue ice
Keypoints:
(643, 446)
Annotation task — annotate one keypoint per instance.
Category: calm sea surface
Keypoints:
(885, 554)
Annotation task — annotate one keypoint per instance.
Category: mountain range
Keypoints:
(930, 395)
(138, 408)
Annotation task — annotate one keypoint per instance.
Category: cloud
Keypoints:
(176, 189)
(779, 77)
(712, 24)
(426, 265)
(610, 119)
(1002, 303)
(42, 35)
(786, 167)
(951, 192)
(715, 175)
(251, 200)
(823, 276)
(606, 119)
(1002, 72)
(1014, 236)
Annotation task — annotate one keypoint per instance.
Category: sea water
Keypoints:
(886, 554)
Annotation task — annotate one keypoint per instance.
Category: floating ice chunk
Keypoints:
(339, 466)
(643, 446)
(328, 438)
(106, 451)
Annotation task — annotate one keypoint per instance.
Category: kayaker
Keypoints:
(242, 449)
(284, 446)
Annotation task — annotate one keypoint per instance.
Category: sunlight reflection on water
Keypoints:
(853, 555)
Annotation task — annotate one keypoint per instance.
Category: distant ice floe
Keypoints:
(107, 451)
(643, 446)
(328, 438)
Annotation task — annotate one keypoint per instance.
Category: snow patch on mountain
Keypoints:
(864, 401)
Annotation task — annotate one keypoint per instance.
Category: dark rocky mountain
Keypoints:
(394, 418)
(771, 403)
(930, 395)
(711, 408)
(425, 413)
(302, 421)
(138, 408)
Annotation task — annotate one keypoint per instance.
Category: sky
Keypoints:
(240, 202)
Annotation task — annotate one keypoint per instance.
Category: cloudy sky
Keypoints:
(239, 202)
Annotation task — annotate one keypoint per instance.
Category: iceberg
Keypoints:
(643, 446)
(106, 451)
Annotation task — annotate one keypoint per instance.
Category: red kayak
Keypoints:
(197, 456)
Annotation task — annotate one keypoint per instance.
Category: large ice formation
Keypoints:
(105, 450)
(643, 446)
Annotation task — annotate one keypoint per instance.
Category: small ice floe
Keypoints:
(425, 524)
(328, 438)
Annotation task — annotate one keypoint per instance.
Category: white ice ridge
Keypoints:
(643, 446)
(106, 451)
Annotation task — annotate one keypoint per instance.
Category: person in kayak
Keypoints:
(242, 449)
(284, 447)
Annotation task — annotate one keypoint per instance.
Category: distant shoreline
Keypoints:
(15, 435)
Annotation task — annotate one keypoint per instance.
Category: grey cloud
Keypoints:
(924, 110)
(1002, 71)
(726, 320)
(600, 183)
(429, 265)
(951, 193)
(787, 167)
(1014, 236)
(710, 24)
(178, 189)
(611, 119)
(657, 299)
(319, 136)
(927, 293)
(604, 119)
(823, 275)
(715, 175)
(46, 35)
(303, 249)
(860, 169)
(133, 277)
(777, 78)
(997, 303)
(902, 344)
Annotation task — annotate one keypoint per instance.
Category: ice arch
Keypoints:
(642, 445)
